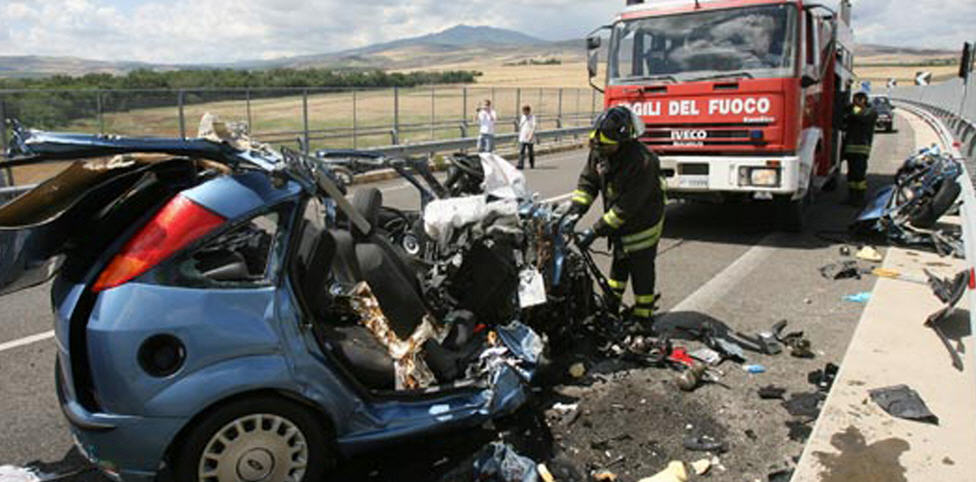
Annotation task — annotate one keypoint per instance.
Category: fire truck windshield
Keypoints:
(754, 42)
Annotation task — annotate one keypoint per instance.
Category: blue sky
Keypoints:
(188, 31)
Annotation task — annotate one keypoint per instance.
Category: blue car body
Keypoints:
(238, 342)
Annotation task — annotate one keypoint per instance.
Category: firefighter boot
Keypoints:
(855, 197)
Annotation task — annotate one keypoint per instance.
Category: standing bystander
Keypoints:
(486, 127)
(527, 127)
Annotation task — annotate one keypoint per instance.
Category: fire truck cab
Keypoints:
(741, 98)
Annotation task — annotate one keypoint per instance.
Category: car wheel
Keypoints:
(791, 214)
(928, 215)
(265, 439)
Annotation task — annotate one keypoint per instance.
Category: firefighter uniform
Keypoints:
(633, 197)
(859, 124)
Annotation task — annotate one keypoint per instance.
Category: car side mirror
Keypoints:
(808, 81)
(593, 63)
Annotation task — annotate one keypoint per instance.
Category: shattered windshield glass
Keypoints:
(741, 42)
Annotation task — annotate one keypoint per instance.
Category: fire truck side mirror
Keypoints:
(809, 81)
(593, 42)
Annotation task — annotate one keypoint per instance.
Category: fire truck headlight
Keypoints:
(759, 176)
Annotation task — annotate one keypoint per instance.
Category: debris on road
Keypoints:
(9, 473)
(604, 476)
(754, 369)
(772, 392)
(500, 462)
(862, 297)
(545, 474)
(949, 292)
(903, 402)
(707, 355)
(577, 370)
(824, 379)
(704, 443)
(869, 253)
(675, 472)
(839, 271)
(701, 467)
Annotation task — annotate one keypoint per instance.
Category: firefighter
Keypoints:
(859, 122)
(628, 176)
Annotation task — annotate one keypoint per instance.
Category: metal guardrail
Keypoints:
(429, 148)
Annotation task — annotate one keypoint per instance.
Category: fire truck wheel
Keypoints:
(791, 214)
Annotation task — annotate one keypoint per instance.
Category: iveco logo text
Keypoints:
(689, 135)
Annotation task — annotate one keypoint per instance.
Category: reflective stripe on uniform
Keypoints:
(644, 239)
(582, 197)
(645, 299)
(857, 149)
(858, 185)
(612, 219)
(617, 285)
(643, 312)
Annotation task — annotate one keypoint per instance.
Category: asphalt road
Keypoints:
(723, 261)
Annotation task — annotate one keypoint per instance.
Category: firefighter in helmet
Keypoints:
(628, 176)
(859, 121)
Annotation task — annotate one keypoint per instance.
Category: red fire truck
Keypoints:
(741, 97)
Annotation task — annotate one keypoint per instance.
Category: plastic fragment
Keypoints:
(577, 370)
(862, 297)
(754, 369)
(868, 253)
(701, 467)
(544, 473)
(604, 476)
(675, 472)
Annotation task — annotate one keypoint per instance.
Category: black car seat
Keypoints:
(321, 254)
(386, 269)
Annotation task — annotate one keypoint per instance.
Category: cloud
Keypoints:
(190, 31)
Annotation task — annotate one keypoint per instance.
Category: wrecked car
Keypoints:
(223, 312)
(907, 212)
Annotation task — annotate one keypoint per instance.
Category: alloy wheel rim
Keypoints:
(255, 448)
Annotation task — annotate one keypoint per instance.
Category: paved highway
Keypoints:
(723, 261)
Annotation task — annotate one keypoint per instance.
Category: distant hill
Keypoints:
(460, 45)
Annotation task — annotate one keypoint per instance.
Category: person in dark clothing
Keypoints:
(859, 122)
(628, 176)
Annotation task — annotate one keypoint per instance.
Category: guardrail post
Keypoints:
(355, 121)
(247, 107)
(433, 112)
(98, 112)
(559, 115)
(305, 133)
(179, 103)
(3, 142)
(396, 116)
(464, 112)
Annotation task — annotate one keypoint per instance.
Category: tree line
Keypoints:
(50, 102)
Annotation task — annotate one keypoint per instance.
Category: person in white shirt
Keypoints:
(486, 127)
(527, 126)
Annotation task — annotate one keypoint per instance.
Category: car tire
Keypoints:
(791, 214)
(928, 215)
(253, 436)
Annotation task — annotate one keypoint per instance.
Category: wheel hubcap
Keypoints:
(255, 448)
(255, 465)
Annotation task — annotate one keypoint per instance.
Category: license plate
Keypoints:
(694, 182)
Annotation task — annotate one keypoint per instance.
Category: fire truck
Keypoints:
(742, 99)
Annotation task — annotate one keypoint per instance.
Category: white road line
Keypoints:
(10, 345)
(710, 293)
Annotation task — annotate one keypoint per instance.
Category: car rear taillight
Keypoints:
(178, 224)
